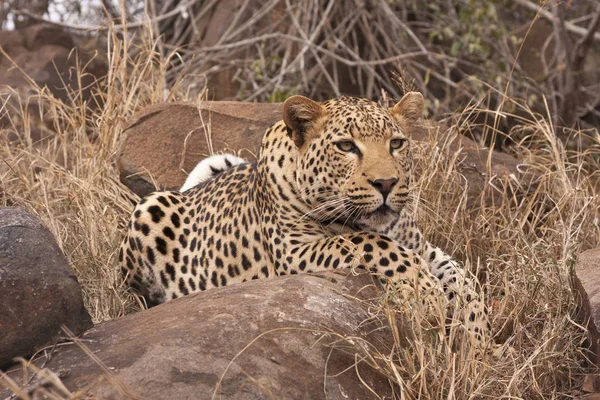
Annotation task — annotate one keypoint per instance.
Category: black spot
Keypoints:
(145, 229)
(382, 244)
(357, 240)
(150, 254)
(320, 259)
(265, 271)
(168, 232)
(163, 279)
(138, 244)
(163, 201)
(157, 213)
(389, 273)
(214, 279)
(171, 271)
(401, 269)
(384, 262)
(256, 255)
(182, 241)
(161, 245)
(182, 288)
(175, 220)
(246, 263)
(368, 247)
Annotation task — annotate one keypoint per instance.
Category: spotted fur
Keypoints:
(329, 191)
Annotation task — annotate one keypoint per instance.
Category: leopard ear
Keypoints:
(299, 113)
(410, 107)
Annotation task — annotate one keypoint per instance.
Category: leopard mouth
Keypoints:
(379, 217)
(382, 211)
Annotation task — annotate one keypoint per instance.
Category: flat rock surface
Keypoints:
(165, 142)
(275, 338)
(38, 290)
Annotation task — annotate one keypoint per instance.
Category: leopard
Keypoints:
(330, 190)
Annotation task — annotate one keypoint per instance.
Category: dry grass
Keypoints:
(522, 248)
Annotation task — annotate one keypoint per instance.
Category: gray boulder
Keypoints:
(38, 290)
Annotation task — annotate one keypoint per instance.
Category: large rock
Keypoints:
(165, 141)
(587, 284)
(260, 339)
(38, 290)
(44, 55)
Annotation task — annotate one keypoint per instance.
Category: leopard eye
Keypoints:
(346, 146)
(396, 144)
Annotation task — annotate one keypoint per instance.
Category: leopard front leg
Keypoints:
(457, 284)
(393, 264)
(460, 289)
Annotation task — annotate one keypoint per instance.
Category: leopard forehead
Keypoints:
(361, 118)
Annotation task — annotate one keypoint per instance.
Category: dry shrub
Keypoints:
(523, 247)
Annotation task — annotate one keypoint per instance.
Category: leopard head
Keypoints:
(354, 162)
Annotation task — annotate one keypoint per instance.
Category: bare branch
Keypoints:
(548, 15)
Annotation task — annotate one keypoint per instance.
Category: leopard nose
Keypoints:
(384, 186)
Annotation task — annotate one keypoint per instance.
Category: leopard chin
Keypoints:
(378, 220)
